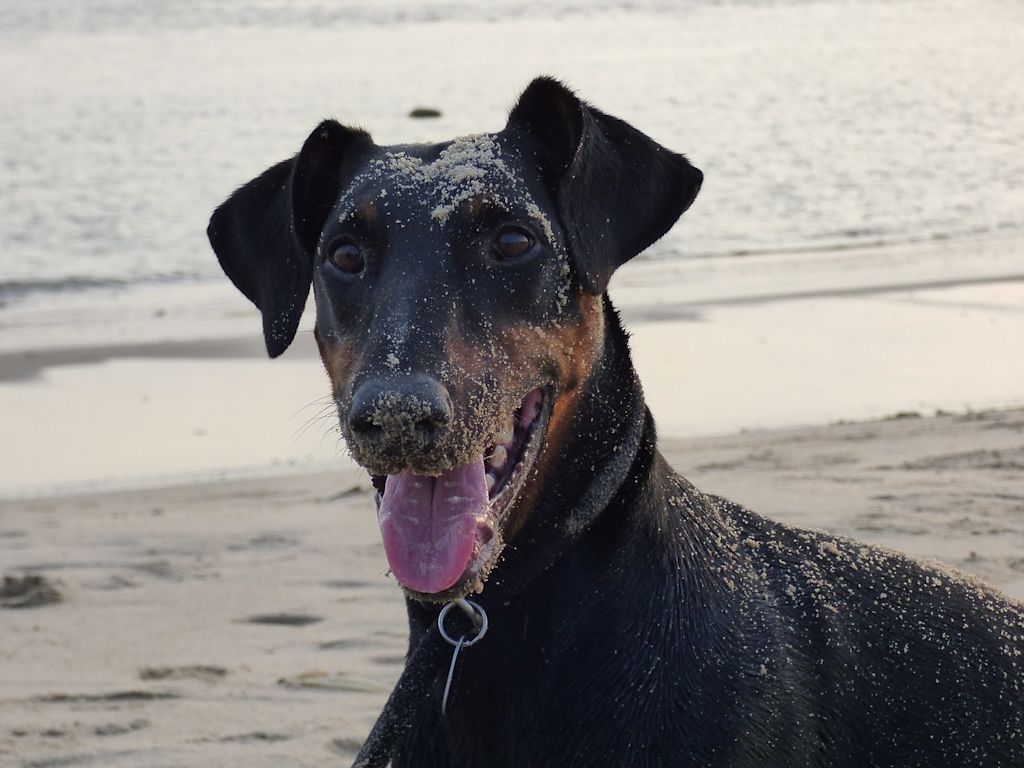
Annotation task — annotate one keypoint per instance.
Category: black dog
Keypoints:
(484, 380)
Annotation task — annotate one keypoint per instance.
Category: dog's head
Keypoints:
(457, 288)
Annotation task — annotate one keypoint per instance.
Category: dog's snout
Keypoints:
(396, 414)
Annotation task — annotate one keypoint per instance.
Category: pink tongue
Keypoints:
(428, 525)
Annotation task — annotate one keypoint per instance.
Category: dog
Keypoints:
(483, 379)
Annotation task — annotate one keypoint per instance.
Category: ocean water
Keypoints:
(817, 122)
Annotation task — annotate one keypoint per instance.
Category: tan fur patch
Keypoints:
(340, 359)
(475, 206)
(367, 211)
(570, 352)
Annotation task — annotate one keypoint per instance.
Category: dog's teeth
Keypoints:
(499, 457)
(506, 437)
(490, 480)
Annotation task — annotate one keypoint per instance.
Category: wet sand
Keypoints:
(251, 623)
(157, 384)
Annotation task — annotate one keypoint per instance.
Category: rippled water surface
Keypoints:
(817, 122)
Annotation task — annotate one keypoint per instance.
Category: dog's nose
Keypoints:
(409, 412)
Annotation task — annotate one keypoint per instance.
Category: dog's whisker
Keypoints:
(322, 404)
(326, 414)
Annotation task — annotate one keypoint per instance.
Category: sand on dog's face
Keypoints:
(432, 300)
(428, 302)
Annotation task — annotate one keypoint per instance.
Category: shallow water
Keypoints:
(123, 123)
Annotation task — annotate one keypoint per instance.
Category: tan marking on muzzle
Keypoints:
(340, 359)
(569, 351)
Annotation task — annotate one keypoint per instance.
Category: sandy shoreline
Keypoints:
(250, 623)
(158, 383)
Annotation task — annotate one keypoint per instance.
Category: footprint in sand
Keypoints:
(332, 681)
(30, 591)
(283, 619)
(206, 672)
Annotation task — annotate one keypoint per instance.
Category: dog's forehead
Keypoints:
(439, 179)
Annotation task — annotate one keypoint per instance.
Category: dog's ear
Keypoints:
(266, 233)
(617, 190)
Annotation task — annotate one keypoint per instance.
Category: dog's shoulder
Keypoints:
(871, 587)
(878, 637)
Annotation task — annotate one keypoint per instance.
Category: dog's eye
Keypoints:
(511, 243)
(346, 255)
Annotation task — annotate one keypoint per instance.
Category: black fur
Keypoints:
(266, 233)
(680, 629)
(616, 190)
(634, 620)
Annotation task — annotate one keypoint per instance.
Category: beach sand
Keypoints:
(251, 622)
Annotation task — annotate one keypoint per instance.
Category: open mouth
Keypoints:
(442, 535)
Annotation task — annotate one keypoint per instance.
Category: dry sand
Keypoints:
(251, 623)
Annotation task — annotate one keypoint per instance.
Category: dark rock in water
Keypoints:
(28, 591)
(425, 112)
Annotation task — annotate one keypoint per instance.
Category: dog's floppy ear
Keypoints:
(266, 233)
(617, 190)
